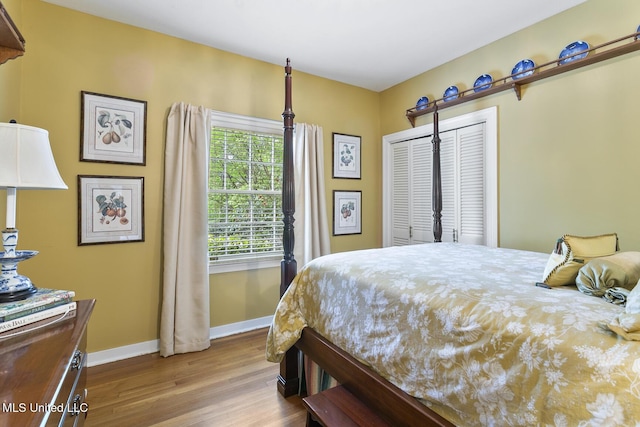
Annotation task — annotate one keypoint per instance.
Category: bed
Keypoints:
(450, 334)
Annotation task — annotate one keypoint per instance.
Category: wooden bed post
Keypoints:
(436, 192)
(288, 381)
(288, 265)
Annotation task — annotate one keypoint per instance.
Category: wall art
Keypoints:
(113, 129)
(346, 156)
(347, 212)
(110, 209)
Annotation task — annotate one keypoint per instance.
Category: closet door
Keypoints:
(448, 172)
(411, 211)
(463, 180)
(471, 224)
(400, 195)
(421, 219)
(462, 160)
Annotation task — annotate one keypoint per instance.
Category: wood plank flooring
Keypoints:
(229, 384)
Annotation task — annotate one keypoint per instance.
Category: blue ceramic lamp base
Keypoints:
(13, 286)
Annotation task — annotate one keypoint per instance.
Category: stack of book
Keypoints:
(45, 304)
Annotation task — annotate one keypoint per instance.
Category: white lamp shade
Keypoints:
(26, 160)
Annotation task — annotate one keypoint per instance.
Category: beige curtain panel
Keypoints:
(311, 229)
(185, 322)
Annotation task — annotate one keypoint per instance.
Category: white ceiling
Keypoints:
(373, 44)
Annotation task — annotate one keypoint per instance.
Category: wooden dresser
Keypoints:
(43, 373)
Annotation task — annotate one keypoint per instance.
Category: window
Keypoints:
(245, 192)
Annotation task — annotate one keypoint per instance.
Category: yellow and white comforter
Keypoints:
(464, 329)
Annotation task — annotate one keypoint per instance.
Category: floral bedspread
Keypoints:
(464, 329)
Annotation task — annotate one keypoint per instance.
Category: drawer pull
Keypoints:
(79, 406)
(75, 406)
(76, 362)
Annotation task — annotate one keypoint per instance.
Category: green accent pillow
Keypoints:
(621, 269)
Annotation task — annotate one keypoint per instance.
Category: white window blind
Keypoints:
(245, 189)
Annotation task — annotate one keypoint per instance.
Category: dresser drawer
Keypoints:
(77, 406)
(43, 373)
(69, 404)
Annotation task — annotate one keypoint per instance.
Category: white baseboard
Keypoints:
(148, 347)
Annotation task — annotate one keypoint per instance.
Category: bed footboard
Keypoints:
(389, 401)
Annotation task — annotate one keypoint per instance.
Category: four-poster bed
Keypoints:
(393, 404)
(437, 335)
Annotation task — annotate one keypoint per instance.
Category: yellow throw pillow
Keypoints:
(572, 252)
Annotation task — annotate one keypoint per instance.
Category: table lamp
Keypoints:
(26, 163)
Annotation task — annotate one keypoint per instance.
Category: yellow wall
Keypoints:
(568, 151)
(68, 52)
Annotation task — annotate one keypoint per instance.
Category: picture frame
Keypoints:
(346, 156)
(110, 209)
(347, 212)
(112, 129)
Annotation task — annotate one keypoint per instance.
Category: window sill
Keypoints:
(243, 265)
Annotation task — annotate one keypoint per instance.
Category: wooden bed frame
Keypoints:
(389, 401)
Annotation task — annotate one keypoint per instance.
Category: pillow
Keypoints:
(572, 252)
(618, 270)
(617, 296)
(629, 261)
(598, 275)
(633, 301)
(627, 324)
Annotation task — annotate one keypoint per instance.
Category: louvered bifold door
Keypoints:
(400, 208)
(449, 174)
(471, 143)
(463, 153)
(421, 211)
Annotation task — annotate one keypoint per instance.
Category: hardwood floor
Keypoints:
(229, 384)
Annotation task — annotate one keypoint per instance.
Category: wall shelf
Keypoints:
(11, 41)
(599, 53)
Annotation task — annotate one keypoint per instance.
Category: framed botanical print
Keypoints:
(347, 212)
(110, 209)
(113, 129)
(346, 156)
